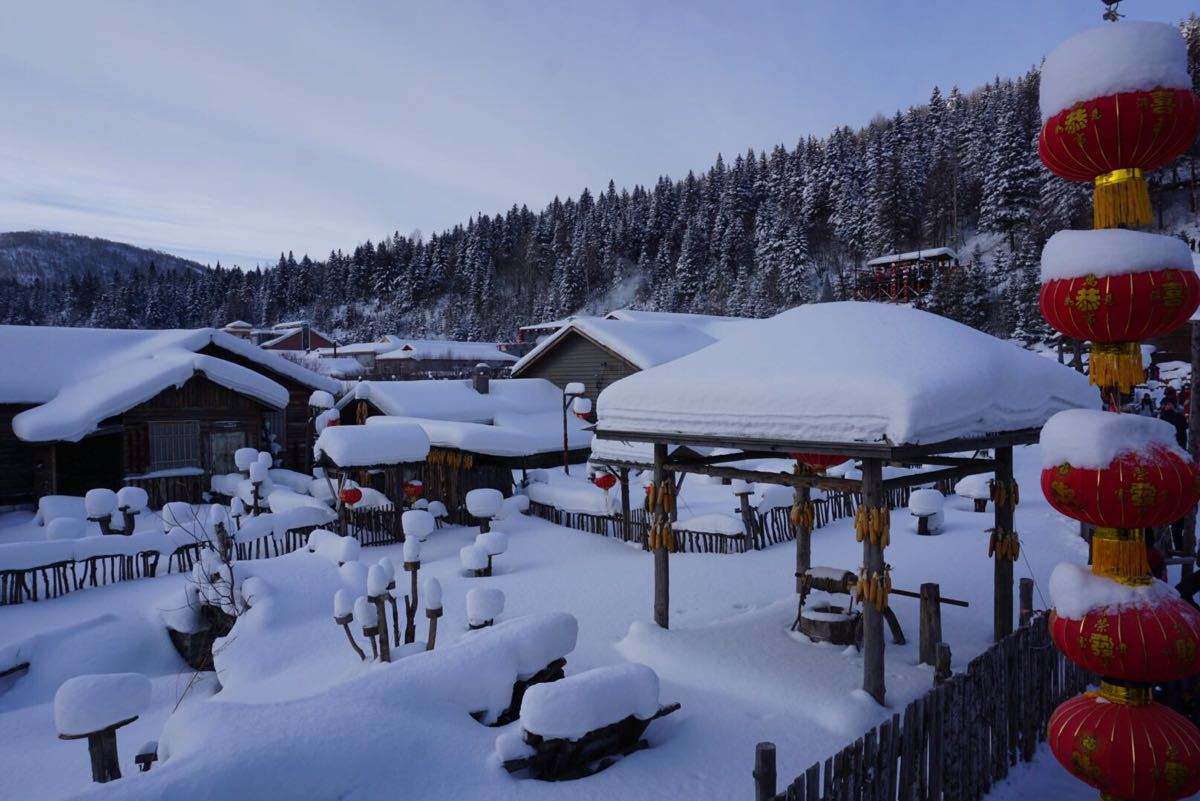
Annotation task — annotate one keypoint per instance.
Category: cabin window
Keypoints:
(223, 444)
(174, 444)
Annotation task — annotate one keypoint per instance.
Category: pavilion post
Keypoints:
(1005, 507)
(662, 572)
(626, 526)
(802, 497)
(873, 498)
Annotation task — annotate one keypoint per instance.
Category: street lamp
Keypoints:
(571, 392)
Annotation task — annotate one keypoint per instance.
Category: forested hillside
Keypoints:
(751, 235)
(29, 255)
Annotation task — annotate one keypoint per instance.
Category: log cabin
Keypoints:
(394, 358)
(84, 408)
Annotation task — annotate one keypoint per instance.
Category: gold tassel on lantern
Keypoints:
(1117, 364)
(1121, 200)
(1120, 554)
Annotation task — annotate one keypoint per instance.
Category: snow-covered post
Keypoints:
(570, 392)
(343, 615)
(484, 504)
(377, 593)
(130, 502)
(99, 504)
(626, 525)
(390, 568)
(484, 605)
(742, 491)
(147, 755)
(873, 575)
(237, 510)
(258, 475)
(473, 560)
(659, 538)
(493, 544)
(366, 615)
(1005, 503)
(94, 707)
(412, 563)
(433, 609)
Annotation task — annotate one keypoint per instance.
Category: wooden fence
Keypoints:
(953, 743)
(379, 525)
(770, 527)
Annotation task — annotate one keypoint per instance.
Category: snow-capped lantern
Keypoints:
(604, 481)
(1117, 103)
(413, 490)
(1116, 471)
(1125, 745)
(582, 407)
(350, 495)
(819, 462)
(1116, 288)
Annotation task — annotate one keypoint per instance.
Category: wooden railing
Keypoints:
(953, 743)
(380, 525)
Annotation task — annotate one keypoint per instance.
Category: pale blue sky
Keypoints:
(236, 130)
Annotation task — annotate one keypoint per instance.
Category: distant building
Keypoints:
(296, 335)
(902, 277)
(393, 357)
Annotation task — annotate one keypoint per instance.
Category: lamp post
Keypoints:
(571, 391)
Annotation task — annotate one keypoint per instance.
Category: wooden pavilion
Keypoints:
(892, 362)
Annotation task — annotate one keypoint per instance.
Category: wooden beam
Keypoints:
(931, 476)
(662, 567)
(873, 667)
(783, 479)
(959, 461)
(1002, 590)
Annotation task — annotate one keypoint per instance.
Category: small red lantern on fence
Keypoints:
(350, 495)
(605, 481)
(413, 490)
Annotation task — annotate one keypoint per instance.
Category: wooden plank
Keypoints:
(868, 785)
(765, 781)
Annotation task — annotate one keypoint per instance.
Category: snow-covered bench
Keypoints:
(582, 724)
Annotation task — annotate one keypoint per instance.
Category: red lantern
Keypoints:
(1153, 644)
(350, 495)
(1130, 307)
(1115, 139)
(413, 490)
(1138, 490)
(605, 481)
(1126, 746)
(819, 461)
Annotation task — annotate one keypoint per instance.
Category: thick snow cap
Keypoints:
(847, 372)
(363, 446)
(1091, 439)
(86, 704)
(1125, 57)
(1111, 251)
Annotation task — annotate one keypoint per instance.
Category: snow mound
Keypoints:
(417, 523)
(977, 487)
(926, 502)
(366, 446)
(1111, 251)
(1091, 439)
(1128, 57)
(891, 373)
(90, 703)
(484, 502)
(571, 707)
(1075, 591)
(484, 604)
(716, 523)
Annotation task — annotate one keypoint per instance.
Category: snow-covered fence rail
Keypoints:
(952, 743)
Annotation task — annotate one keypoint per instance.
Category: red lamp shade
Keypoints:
(1131, 751)
(1143, 130)
(1138, 490)
(350, 495)
(1152, 644)
(1130, 307)
(605, 481)
(413, 490)
(819, 461)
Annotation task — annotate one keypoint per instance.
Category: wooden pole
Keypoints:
(872, 498)
(1026, 593)
(802, 496)
(747, 519)
(566, 460)
(662, 569)
(765, 779)
(942, 670)
(931, 622)
(626, 527)
(1189, 533)
(1002, 618)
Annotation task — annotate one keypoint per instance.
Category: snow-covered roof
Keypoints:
(847, 372)
(548, 324)
(447, 349)
(512, 435)
(1127, 57)
(914, 255)
(363, 446)
(643, 344)
(78, 377)
(238, 325)
(286, 331)
(382, 345)
(457, 399)
(715, 325)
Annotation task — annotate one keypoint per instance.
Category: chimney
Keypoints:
(305, 340)
(480, 378)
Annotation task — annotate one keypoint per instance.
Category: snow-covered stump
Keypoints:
(412, 564)
(926, 506)
(582, 724)
(94, 707)
(343, 615)
(484, 504)
(484, 605)
(100, 504)
(742, 490)
(131, 501)
(433, 609)
(474, 561)
(493, 543)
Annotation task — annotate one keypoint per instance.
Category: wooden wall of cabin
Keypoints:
(17, 476)
(449, 475)
(576, 358)
(297, 452)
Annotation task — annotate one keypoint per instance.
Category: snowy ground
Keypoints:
(729, 658)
